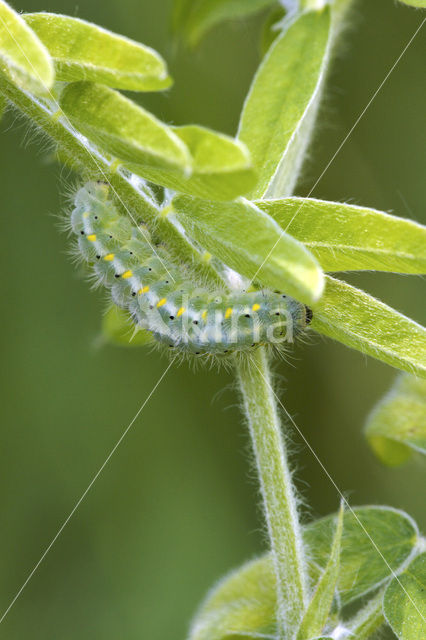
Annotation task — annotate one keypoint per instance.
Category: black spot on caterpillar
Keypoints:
(161, 297)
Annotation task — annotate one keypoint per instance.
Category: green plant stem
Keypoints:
(279, 500)
(279, 497)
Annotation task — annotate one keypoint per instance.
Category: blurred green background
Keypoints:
(177, 505)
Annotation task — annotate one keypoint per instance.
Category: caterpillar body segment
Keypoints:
(160, 295)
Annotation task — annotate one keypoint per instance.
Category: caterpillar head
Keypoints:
(92, 191)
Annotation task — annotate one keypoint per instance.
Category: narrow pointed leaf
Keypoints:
(345, 237)
(193, 18)
(405, 601)
(250, 242)
(84, 51)
(23, 57)
(221, 166)
(122, 128)
(282, 102)
(119, 329)
(397, 425)
(364, 323)
(318, 611)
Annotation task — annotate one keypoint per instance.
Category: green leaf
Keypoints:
(405, 602)
(193, 18)
(345, 237)
(376, 541)
(277, 115)
(397, 425)
(244, 602)
(23, 57)
(250, 242)
(222, 168)
(420, 4)
(122, 128)
(318, 610)
(360, 321)
(84, 51)
(189, 159)
(119, 329)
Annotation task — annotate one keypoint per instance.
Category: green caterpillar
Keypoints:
(161, 297)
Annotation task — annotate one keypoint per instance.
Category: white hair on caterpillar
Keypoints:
(162, 297)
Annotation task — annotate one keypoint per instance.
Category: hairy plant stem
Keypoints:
(279, 500)
(278, 492)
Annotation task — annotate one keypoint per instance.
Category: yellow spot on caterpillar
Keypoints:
(180, 312)
(86, 214)
(92, 237)
(114, 166)
(204, 315)
(143, 290)
(256, 307)
(206, 257)
(228, 313)
(161, 302)
(127, 274)
(109, 257)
